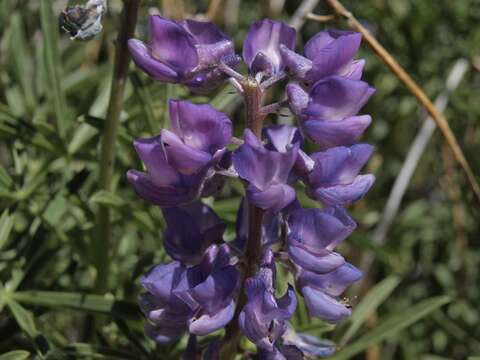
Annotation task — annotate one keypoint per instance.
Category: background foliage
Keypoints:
(420, 298)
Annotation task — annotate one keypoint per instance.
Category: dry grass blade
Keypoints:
(416, 91)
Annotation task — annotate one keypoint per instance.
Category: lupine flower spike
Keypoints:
(211, 283)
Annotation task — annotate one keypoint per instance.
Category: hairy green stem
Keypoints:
(102, 242)
(253, 95)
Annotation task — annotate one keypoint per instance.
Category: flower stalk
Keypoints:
(253, 96)
(102, 242)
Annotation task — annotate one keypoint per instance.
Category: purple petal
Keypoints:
(190, 230)
(295, 64)
(339, 165)
(310, 345)
(331, 50)
(163, 335)
(216, 289)
(334, 133)
(297, 98)
(172, 44)
(336, 98)
(319, 229)
(211, 54)
(287, 304)
(183, 158)
(321, 261)
(281, 352)
(281, 137)
(206, 324)
(200, 126)
(333, 283)
(163, 196)
(204, 32)
(353, 70)
(274, 198)
(345, 194)
(143, 58)
(265, 37)
(152, 153)
(163, 279)
(324, 306)
(262, 167)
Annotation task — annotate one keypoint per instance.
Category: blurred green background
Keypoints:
(420, 298)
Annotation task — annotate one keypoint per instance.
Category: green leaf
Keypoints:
(146, 101)
(88, 351)
(53, 66)
(107, 198)
(77, 301)
(23, 317)
(15, 355)
(374, 298)
(6, 225)
(392, 325)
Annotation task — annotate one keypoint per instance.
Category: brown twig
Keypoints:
(213, 9)
(416, 91)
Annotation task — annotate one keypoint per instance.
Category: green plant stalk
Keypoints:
(254, 121)
(102, 242)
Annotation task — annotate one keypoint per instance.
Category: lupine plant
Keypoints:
(211, 284)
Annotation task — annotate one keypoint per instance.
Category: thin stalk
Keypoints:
(253, 95)
(102, 243)
(439, 119)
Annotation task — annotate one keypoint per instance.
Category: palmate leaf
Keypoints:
(82, 302)
(392, 325)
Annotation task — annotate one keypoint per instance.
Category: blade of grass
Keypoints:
(15, 355)
(374, 298)
(82, 302)
(391, 326)
(53, 68)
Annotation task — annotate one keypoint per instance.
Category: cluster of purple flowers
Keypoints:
(197, 292)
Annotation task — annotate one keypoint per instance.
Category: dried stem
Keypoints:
(413, 87)
(254, 120)
(102, 242)
(213, 9)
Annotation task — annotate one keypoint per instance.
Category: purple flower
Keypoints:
(281, 352)
(334, 179)
(282, 138)
(328, 53)
(185, 52)
(167, 316)
(180, 163)
(313, 235)
(198, 299)
(190, 230)
(263, 319)
(266, 172)
(320, 291)
(261, 49)
(328, 112)
(309, 345)
(210, 289)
